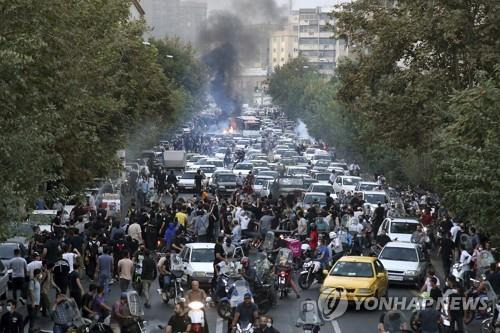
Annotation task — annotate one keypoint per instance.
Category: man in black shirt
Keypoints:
(218, 257)
(179, 322)
(378, 217)
(435, 292)
(446, 251)
(12, 321)
(246, 312)
(382, 239)
(87, 301)
(51, 249)
(198, 178)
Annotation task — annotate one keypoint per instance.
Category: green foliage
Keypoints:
(78, 83)
(469, 154)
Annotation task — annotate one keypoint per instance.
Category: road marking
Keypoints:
(219, 325)
(336, 326)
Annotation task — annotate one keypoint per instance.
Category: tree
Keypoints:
(469, 156)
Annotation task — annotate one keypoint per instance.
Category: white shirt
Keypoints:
(302, 227)
(428, 283)
(465, 259)
(332, 178)
(244, 221)
(454, 231)
(70, 258)
(134, 231)
(35, 264)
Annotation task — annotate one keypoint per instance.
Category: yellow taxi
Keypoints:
(355, 278)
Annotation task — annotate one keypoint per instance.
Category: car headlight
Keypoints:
(412, 273)
(364, 291)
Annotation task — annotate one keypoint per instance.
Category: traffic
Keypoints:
(232, 228)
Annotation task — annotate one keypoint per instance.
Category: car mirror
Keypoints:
(380, 275)
(325, 272)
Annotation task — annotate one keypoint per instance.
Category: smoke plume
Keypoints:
(233, 38)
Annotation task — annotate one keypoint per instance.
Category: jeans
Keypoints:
(32, 316)
(124, 284)
(60, 328)
(17, 284)
(45, 303)
(146, 286)
(104, 282)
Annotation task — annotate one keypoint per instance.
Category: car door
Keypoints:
(382, 282)
(422, 263)
(383, 226)
(4, 279)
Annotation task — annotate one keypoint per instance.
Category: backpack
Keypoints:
(93, 247)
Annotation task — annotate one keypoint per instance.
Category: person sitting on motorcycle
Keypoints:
(120, 314)
(180, 321)
(249, 273)
(313, 237)
(246, 312)
(322, 254)
(266, 325)
(196, 293)
(164, 276)
(283, 266)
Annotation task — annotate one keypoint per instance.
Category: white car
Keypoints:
(374, 197)
(207, 171)
(259, 163)
(399, 229)
(221, 153)
(198, 262)
(186, 182)
(259, 183)
(322, 188)
(322, 177)
(367, 186)
(312, 198)
(346, 183)
(309, 153)
(243, 167)
(296, 171)
(405, 263)
(4, 280)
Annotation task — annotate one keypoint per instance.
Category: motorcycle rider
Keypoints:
(266, 325)
(322, 254)
(248, 273)
(283, 266)
(246, 312)
(164, 276)
(180, 321)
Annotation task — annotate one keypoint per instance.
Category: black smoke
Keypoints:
(233, 38)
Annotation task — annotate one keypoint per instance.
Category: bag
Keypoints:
(94, 248)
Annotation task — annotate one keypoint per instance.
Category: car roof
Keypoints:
(315, 193)
(201, 245)
(374, 192)
(357, 259)
(264, 177)
(369, 183)
(345, 176)
(407, 245)
(405, 220)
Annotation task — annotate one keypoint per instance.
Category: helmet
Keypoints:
(244, 261)
(332, 235)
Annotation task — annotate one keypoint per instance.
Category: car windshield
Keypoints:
(323, 163)
(260, 181)
(321, 188)
(309, 199)
(208, 169)
(352, 269)
(300, 159)
(273, 174)
(226, 178)
(351, 181)
(188, 175)
(242, 166)
(222, 150)
(202, 255)
(323, 176)
(218, 164)
(291, 182)
(7, 251)
(310, 151)
(288, 162)
(259, 163)
(403, 227)
(367, 187)
(399, 254)
(297, 171)
(374, 198)
(322, 157)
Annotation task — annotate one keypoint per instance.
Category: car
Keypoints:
(355, 278)
(346, 183)
(7, 251)
(321, 156)
(243, 167)
(186, 182)
(322, 188)
(259, 163)
(111, 202)
(301, 161)
(399, 229)
(42, 216)
(258, 170)
(287, 185)
(207, 170)
(340, 165)
(259, 183)
(197, 259)
(4, 280)
(296, 171)
(223, 182)
(322, 177)
(271, 173)
(221, 152)
(366, 186)
(321, 165)
(374, 197)
(313, 198)
(405, 263)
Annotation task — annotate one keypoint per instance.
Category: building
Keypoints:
(308, 34)
(175, 18)
(250, 81)
(136, 10)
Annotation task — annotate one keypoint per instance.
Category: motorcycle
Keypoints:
(234, 296)
(173, 290)
(309, 317)
(284, 262)
(311, 271)
(243, 327)
(197, 316)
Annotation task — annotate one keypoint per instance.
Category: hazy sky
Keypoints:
(220, 4)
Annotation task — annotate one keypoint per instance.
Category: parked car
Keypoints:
(405, 263)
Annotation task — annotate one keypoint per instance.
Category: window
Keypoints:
(327, 41)
(379, 268)
(308, 41)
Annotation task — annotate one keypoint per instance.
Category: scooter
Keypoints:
(311, 271)
(197, 316)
